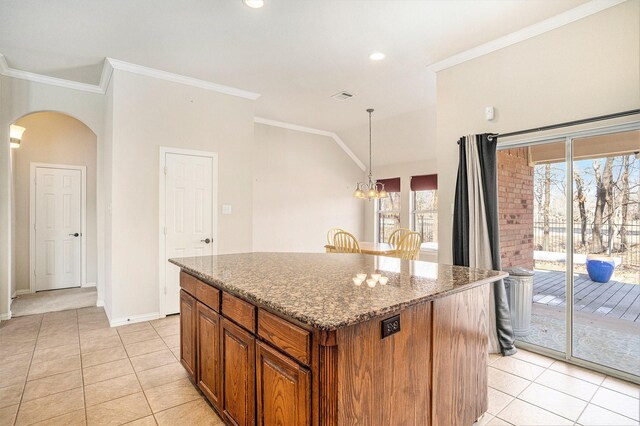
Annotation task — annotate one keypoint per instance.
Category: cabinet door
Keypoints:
(238, 358)
(284, 389)
(188, 333)
(209, 370)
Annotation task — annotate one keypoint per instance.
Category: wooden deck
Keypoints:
(613, 299)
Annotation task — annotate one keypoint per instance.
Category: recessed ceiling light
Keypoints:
(255, 4)
(376, 56)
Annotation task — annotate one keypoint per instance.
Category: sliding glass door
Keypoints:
(606, 250)
(533, 216)
(570, 213)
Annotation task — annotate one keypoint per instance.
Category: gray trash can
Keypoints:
(520, 288)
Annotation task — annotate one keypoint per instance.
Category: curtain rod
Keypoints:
(567, 124)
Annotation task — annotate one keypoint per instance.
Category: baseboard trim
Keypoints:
(89, 285)
(20, 293)
(134, 319)
(99, 302)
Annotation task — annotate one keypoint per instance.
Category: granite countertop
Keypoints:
(318, 290)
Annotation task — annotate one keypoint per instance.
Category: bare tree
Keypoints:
(604, 197)
(545, 206)
(581, 199)
(624, 203)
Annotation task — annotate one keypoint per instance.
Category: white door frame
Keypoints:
(32, 220)
(162, 206)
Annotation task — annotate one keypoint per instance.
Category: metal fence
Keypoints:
(387, 223)
(556, 240)
(426, 224)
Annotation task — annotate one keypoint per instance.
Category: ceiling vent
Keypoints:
(342, 96)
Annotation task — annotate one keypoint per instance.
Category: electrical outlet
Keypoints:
(390, 326)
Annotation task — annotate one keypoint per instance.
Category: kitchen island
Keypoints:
(291, 339)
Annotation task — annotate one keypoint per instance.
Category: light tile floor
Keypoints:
(531, 389)
(71, 368)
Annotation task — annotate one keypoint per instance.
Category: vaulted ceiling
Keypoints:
(295, 53)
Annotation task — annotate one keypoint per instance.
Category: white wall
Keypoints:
(137, 116)
(408, 137)
(588, 68)
(303, 185)
(105, 190)
(58, 139)
(19, 98)
(12, 201)
(148, 113)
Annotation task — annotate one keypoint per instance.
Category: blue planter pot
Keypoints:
(600, 268)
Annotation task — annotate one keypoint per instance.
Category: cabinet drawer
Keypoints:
(188, 283)
(243, 313)
(208, 295)
(290, 338)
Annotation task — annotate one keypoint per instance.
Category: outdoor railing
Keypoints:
(556, 240)
(426, 224)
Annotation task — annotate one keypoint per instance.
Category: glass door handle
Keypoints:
(206, 241)
(74, 235)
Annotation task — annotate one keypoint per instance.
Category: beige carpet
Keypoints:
(53, 300)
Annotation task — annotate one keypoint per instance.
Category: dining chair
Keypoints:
(408, 247)
(332, 232)
(397, 235)
(344, 242)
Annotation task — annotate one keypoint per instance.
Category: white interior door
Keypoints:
(58, 227)
(188, 214)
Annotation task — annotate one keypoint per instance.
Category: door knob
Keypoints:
(206, 241)
(74, 235)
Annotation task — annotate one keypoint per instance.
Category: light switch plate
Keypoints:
(226, 209)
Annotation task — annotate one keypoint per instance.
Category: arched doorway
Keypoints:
(54, 223)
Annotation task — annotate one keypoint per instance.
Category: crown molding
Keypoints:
(45, 79)
(526, 33)
(105, 77)
(177, 78)
(107, 71)
(291, 126)
(332, 135)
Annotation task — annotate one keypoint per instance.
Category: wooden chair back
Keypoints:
(344, 242)
(332, 232)
(397, 235)
(409, 246)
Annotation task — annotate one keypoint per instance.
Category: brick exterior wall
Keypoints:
(515, 208)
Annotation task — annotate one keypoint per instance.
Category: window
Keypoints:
(424, 209)
(388, 209)
(388, 215)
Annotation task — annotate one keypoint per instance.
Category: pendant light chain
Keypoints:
(370, 171)
(372, 189)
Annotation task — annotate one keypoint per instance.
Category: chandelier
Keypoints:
(371, 190)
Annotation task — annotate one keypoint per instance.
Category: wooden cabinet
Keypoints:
(188, 337)
(283, 389)
(258, 367)
(218, 349)
(209, 371)
(238, 372)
